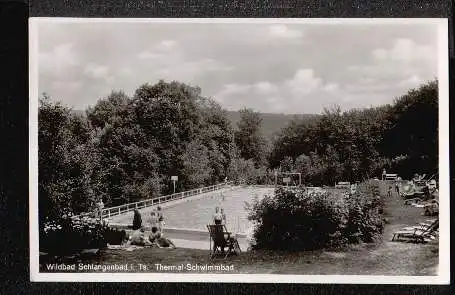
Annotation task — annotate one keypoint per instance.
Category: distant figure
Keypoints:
(137, 220)
(100, 207)
(217, 217)
(160, 219)
(397, 188)
(154, 220)
(222, 197)
(389, 192)
(223, 217)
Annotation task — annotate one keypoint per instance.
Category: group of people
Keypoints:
(156, 238)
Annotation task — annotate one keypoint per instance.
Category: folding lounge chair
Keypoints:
(419, 233)
(222, 239)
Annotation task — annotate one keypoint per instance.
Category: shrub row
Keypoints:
(68, 236)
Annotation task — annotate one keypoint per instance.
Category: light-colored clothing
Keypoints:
(154, 220)
(160, 221)
(137, 238)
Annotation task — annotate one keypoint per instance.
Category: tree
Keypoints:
(196, 164)
(65, 161)
(412, 139)
(249, 139)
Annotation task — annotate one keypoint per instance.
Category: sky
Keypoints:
(270, 67)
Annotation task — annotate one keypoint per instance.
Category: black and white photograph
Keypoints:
(239, 150)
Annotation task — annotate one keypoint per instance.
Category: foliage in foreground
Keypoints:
(70, 235)
(296, 220)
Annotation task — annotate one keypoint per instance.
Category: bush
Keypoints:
(296, 220)
(68, 236)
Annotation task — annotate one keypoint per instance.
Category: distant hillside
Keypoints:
(272, 123)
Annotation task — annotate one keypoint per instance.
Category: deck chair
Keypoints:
(420, 233)
(222, 239)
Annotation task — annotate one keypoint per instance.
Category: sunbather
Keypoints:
(160, 241)
(138, 238)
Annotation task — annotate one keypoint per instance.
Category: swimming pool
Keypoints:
(196, 213)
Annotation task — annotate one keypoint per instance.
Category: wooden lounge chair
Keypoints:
(222, 239)
(420, 233)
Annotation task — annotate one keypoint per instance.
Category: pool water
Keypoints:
(197, 213)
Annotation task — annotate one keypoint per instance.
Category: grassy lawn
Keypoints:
(382, 258)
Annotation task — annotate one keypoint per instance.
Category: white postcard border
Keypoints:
(444, 166)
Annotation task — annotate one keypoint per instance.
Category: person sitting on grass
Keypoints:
(160, 241)
(137, 238)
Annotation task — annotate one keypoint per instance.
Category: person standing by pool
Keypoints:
(160, 219)
(137, 220)
(223, 217)
(154, 221)
(217, 217)
(100, 207)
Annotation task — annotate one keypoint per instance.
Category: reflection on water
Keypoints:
(197, 214)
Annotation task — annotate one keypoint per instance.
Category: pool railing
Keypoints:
(116, 210)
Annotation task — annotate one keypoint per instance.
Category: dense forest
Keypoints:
(358, 144)
(125, 149)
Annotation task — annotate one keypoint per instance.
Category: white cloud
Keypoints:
(160, 50)
(96, 71)
(405, 50)
(99, 72)
(413, 80)
(331, 87)
(61, 88)
(288, 96)
(265, 88)
(58, 60)
(304, 82)
(170, 61)
(283, 31)
(148, 55)
(166, 44)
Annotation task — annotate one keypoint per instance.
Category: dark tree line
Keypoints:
(358, 144)
(124, 149)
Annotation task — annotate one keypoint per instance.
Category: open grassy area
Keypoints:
(382, 258)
